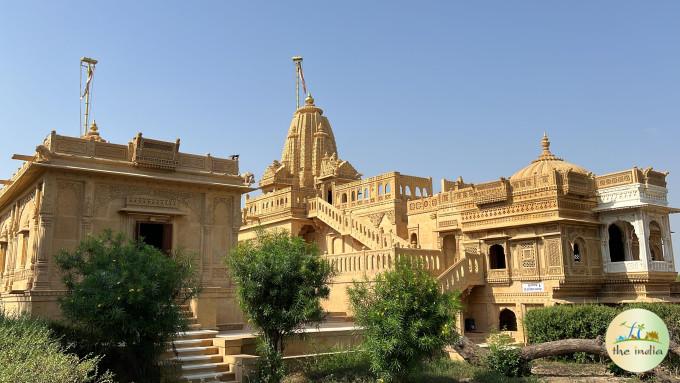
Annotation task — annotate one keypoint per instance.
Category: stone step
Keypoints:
(205, 368)
(199, 350)
(197, 334)
(214, 376)
(198, 359)
(194, 326)
(192, 342)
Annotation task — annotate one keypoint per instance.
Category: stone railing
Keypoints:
(368, 263)
(280, 201)
(465, 273)
(661, 266)
(358, 227)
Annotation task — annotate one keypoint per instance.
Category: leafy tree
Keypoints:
(29, 353)
(126, 293)
(280, 281)
(406, 318)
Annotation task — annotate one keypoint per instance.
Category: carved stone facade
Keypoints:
(73, 187)
(537, 238)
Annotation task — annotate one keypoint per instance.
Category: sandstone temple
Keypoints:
(552, 233)
(75, 186)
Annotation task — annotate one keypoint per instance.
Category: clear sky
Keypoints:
(437, 89)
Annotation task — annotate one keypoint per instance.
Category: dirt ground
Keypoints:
(557, 372)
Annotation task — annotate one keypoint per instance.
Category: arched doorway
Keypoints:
(329, 196)
(497, 257)
(507, 321)
(308, 233)
(414, 239)
(655, 241)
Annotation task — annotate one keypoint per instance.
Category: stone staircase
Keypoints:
(463, 274)
(358, 227)
(196, 354)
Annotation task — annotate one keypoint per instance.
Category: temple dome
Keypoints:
(546, 163)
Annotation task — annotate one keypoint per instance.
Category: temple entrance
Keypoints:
(158, 235)
(507, 320)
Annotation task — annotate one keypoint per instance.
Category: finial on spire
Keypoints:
(545, 143)
(309, 100)
(93, 133)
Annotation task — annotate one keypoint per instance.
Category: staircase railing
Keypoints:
(358, 227)
(465, 273)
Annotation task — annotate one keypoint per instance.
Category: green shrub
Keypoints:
(122, 300)
(567, 322)
(504, 358)
(29, 353)
(588, 321)
(280, 282)
(405, 317)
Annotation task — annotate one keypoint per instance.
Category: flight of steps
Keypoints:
(199, 359)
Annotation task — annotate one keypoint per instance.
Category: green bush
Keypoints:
(280, 282)
(405, 317)
(567, 322)
(504, 358)
(29, 353)
(122, 300)
(588, 321)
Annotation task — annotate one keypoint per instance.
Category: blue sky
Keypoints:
(437, 89)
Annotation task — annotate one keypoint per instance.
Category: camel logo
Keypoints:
(637, 340)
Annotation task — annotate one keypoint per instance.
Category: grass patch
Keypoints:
(354, 367)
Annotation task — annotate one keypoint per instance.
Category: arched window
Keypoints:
(380, 189)
(507, 321)
(617, 252)
(387, 188)
(367, 195)
(414, 239)
(655, 241)
(407, 192)
(354, 196)
(578, 250)
(496, 257)
(418, 193)
(344, 197)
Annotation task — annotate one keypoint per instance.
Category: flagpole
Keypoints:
(88, 82)
(298, 68)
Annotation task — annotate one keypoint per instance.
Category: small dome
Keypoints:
(546, 163)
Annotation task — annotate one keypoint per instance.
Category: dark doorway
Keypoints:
(496, 257)
(329, 197)
(158, 235)
(507, 321)
(616, 244)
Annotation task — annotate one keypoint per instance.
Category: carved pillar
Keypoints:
(44, 246)
(88, 209)
(641, 227)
